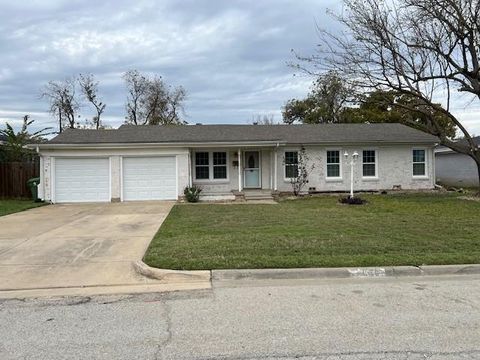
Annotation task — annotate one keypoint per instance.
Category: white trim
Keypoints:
(53, 176)
(275, 165)
(176, 177)
(121, 178)
(110, 178)
(271, 168)
(224, 144)
(340, 163)
(434, 174)
(240, 185)
(425, 175)
(284, 167)
(367, 178)
(41, 187)
(190, 175)
(259, 169)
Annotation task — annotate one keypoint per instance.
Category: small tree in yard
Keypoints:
(298, 169)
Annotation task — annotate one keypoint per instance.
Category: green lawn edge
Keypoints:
(12, 206)
(392, 230)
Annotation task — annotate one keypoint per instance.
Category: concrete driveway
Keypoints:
(77, 245)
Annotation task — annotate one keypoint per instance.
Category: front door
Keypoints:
(252, 169)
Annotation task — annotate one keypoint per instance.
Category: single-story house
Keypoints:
(455, 169)
(228, 161)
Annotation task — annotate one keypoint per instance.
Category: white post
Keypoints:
(190, 170)
(353, 160)
(240, 170)
(351, 178)
(275, 170)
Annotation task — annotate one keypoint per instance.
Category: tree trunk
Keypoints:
(477, 161)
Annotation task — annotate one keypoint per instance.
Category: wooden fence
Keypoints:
(14, 176)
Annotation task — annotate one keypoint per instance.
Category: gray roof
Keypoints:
(441, 149)
(291, 134)
(476, 140)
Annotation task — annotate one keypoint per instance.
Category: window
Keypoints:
(333, 164)
(211, 165)
(419, 168)
(291, 164)
(219, 165)
(202, 168)
(369, 166)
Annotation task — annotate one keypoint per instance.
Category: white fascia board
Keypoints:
(154, 145)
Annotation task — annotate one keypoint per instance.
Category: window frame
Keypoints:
(340, 165)
(425, 163)
(211, 167)
(285, 163)
(370, 177)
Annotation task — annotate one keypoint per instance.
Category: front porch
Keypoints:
(246, 173)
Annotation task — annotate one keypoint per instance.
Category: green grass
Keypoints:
(13, 206)
(411, 229)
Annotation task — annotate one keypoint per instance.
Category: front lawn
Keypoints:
(13, 206)
(395, 229)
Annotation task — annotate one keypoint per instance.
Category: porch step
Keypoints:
(258, 195)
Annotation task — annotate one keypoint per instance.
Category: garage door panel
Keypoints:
(82, 179)
(149, 178)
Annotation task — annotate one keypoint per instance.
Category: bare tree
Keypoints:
(137, 91)
(63, 102)
(426, 49)
(265, 119)
(151, 101)
(89, 88)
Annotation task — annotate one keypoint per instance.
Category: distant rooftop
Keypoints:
(291, 134)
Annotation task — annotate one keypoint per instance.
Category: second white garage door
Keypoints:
(149, 178)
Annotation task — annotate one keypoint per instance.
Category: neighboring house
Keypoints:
(454, 169)
(3, 139)
(158, 162)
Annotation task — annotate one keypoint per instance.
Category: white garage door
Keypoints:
(82, 179)
(149, 178)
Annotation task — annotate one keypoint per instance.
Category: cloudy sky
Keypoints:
(231, 56)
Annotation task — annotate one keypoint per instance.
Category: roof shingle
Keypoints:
(291, 134)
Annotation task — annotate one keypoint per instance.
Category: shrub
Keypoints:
(192, 193)
(352, 200)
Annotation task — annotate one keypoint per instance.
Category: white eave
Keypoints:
(154, 145)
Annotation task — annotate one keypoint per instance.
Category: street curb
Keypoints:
(341, 273)
(171, 275)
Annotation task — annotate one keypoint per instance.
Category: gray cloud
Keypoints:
(230, 56)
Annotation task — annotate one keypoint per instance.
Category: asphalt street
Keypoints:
(380, 318)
